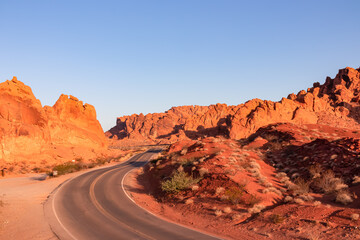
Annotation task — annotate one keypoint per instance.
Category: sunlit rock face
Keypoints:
(32, 133)
(334, 103)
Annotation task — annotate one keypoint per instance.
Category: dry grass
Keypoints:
(343, 197)
(356, 180)
(328, 183)
(315, 171)
(354, 217)
(288, 199)
(203, 171)
(219, 190)
(301, 186)
(184, 151)
(256, 208)
(227, 210)
(236, 217)
(306, 197)
(254, 165)
(281, 175)
(218, 213)
(273, 190)
(298, 201)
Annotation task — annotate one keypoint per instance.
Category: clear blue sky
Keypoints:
(128, 57)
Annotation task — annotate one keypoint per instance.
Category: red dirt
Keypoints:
(229, 162)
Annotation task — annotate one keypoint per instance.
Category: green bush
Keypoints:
(68, 167)
(178, 182)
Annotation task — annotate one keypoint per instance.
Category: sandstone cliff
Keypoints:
(335, 103)
(36, 134)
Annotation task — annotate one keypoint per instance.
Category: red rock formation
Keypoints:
(29, 132)
(335, 103)
(73, 123)
(23, 121)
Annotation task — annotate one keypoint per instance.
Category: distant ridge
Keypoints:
(334, 103)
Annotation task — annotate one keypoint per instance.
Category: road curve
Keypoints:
(95, 205)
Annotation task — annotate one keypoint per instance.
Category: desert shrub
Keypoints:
(236, 217)
(184, 151)
(227, 210)
(298, 201)
(315, 171)
(301, 186)
(232, 159)
(256, 175)
(281, 175)
(256, 208)
(288, 199)
(329, 183)
(255, 171)
(274, 190)
(203, 171)
(262, 180)
(356, 180)
(178, 182)
(218, 213)
(180, 168)
(68, 167)
(276, 218)
(306, 197)
(254, 164)
(354, 217)
(101, 161)
(343, 197)
(235, 194)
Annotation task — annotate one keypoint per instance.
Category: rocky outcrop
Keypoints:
(335, 103)
(30, 132)
(23, 121)
(72, 123)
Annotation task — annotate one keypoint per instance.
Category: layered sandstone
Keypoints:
(35, 134)
(335, 103)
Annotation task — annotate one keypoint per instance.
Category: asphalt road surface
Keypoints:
(95, 205)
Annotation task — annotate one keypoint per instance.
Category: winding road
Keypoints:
(95, 205)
